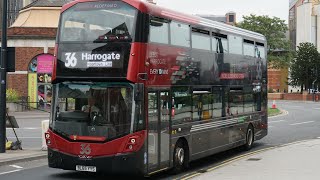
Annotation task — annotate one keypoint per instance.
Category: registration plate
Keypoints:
(86, 168)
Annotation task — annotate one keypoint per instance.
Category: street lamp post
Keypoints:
(3, 78)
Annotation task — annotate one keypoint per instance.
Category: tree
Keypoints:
(305, 66)
(274, 29)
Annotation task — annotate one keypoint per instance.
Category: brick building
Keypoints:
(33, 36)
(277, 80)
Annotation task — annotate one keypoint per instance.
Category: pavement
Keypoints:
(27, 154)
(16, 156)
(298, 160)
(30, 114)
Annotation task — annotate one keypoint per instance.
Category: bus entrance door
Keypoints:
(158, 130)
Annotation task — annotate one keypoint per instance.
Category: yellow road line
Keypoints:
(239, 158)
(154, 172)
(229, 161)
(224, 163)
(191, 176)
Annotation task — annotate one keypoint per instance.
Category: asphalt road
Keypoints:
(301, 122)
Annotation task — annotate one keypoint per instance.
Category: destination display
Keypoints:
(87, 59)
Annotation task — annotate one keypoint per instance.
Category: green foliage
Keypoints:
(274, 29)
(305, 66)
(12, 95)
(270, 90)
(273, 112)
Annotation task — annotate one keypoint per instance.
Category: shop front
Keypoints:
(39, 81)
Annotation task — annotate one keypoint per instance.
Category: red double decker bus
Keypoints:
(138, 88)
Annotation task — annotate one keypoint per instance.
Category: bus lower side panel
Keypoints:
(260, 133)
(215, 140)
(131, 163)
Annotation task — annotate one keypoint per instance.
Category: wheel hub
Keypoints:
(250, 137)
(180, 155)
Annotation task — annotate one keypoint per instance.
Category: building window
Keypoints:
(231, 18)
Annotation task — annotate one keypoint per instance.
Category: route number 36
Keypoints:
(71, 60)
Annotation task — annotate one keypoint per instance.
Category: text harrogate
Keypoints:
(100, 57)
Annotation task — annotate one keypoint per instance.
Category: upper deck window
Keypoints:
(159, 31)
(180, 34)
(98, 22)
(248, 48)
(235, 44)
(260, 50)
(201, 39)
(220, 43)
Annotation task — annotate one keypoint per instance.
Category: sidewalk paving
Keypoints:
(16, 156)
(30, 114)
(299, 160)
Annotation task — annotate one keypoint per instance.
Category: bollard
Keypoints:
(44, 127)
(274, 106)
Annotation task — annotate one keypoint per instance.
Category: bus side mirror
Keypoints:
(138, 92)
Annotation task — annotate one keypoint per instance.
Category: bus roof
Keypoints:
(159, 11)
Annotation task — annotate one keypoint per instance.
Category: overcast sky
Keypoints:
(277, 8)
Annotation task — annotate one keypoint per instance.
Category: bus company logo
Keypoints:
(159, 71)
(85, 149)
(84, 157)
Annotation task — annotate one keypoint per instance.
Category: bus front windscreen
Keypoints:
(104, 21)
(100, 110)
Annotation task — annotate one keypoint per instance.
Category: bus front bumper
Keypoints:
(130, 163)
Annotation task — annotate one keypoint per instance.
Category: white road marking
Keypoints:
(296, 106)
(31, 128)
(8, 172)
(26, 128)
(301, 123)
(317, 108)
(16, 166)
(277, 121)
(25, 137)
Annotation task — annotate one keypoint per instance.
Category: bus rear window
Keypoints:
(98, 22)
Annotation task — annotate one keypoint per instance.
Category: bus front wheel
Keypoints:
(180, 157)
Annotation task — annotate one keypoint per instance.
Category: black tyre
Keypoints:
(180, 157)
(249, 138)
